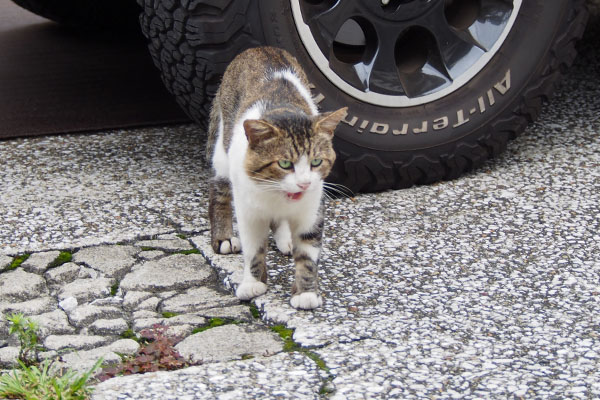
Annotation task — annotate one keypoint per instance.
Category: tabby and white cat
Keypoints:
(270, 150)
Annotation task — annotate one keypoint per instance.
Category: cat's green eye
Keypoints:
(285, 164)
(315, 162)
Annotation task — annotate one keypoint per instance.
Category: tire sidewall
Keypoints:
(435, 126)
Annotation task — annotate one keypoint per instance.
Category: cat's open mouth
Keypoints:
(294, 196)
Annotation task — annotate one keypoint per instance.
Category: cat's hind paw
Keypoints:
(250, 290)
(306, 301)
(229, 246)
(285, 246)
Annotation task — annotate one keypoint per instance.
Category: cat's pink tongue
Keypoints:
(294, 196)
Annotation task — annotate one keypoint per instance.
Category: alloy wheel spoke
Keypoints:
(490, 24)
(383, 71)
(457, 50)
(327, 21)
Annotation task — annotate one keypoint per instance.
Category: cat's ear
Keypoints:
(258, 130)
(327, 122)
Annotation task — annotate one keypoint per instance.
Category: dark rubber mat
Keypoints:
(56, 80)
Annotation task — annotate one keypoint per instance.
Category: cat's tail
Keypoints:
(214, 121)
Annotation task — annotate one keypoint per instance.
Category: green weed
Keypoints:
(33, 382)
(156, 353)
(26, 331)
(33, 379)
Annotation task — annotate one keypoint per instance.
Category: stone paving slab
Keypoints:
(285, 375)
(85, 306)
(5, 260)
(229, 342)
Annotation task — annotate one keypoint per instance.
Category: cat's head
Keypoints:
(291, 153)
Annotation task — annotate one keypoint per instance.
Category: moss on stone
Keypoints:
(186, 252)
(254, 311)
(287, 335)
(17, 261)
(290, 345)
(63, 258)
(129, 334)
(114, 288)
(214, 322)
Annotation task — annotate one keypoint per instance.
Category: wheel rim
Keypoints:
(401, 53)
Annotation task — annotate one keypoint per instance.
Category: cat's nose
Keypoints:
(303, 186)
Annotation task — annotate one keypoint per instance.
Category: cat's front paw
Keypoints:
(249, 290)
(306, 301)
(228, 246)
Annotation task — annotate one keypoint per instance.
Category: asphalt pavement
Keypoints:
(487, 286)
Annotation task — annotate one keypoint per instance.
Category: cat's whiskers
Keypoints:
(327, 196)
(337, 190)
(271, 181)
(268, 185)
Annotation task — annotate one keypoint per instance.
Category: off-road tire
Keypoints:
(378, 147)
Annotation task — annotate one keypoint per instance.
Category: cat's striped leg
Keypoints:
(253, 234)
(221, 217)
(307, 248)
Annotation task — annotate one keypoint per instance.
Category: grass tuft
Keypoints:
(33, 379)
(33, 382)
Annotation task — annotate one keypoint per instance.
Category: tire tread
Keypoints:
(191, 43)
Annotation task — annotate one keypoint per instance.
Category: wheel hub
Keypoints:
(399, 53)
(399, 10)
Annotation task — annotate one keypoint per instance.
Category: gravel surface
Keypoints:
(73, 190)
(483, 287)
